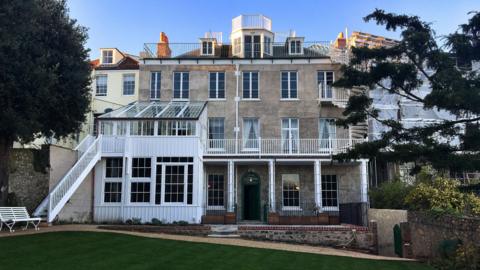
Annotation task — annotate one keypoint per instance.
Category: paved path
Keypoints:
(222, 241)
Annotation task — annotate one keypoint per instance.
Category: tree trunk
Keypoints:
(6, 146)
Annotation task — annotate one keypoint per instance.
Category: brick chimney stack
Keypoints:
(163, 49)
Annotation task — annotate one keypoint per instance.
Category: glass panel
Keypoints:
(291, 190)
(155, 82)
(216, 187)
(174, 183)
(329, 191)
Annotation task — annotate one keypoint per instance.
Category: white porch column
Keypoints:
(231, 192)
(271, 189)
(363, 181)
(317, 168)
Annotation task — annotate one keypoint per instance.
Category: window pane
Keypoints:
(155, 82)
(141, 167)
(216, 186)
(291, 190)
(140, 192)
(246, 85)
(129, 84)
(177, 84)
(329, 191)
(174, 183)
(254, 85)
(114, 167)
(101, 85)
(112, 192)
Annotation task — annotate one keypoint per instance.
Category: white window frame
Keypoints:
(97, 93)
(250, 73)
(163, 166)
(290, 130)
(291, 208)
(124, 76)
(106, 56)
(158, 81)
(237, 45)
(332, 145)
(322, 89)
(141, 180)
(245, 139)
(181, 86)
(216, 207)
(298, 44)
(222, 145)
(330, 208)
(267, 46)
(289, 72)
(173, 127)
(143, 127)
(217, 73)
(113, 180)
(208, 46)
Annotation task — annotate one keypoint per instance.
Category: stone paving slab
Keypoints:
(221, 241)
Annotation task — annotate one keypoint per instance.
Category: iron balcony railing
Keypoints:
(316, 49)
(260, 146)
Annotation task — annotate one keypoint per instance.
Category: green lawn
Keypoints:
(89, 250)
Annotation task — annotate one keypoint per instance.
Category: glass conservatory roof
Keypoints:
(158, 109)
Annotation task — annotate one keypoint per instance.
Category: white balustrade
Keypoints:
(279, 146)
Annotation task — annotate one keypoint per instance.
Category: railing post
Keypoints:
(49, 207)
(259, 146)
(231, 191)
(271, 176)
(318, 184)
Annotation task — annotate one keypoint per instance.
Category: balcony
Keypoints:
(271, 50)
(336, 96)
(278, 147)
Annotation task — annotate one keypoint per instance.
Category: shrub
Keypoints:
(133, 221)
(457, 255)
(156, 221)
(390, 195)
(442, 194)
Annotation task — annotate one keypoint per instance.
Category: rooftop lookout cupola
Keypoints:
(252, 36)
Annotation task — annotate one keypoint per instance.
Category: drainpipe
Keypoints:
(237, 100)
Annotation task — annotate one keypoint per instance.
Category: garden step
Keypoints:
(226, 231)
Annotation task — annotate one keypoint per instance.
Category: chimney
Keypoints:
(163, 49)
(341, 41)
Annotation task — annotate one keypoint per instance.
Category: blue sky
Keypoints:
(127, 24)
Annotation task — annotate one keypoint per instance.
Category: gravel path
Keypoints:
(222, 241)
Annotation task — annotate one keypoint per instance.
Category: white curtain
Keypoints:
(290, 134)
(250, 134)
(327, 131)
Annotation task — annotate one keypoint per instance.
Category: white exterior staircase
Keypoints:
(89, 152)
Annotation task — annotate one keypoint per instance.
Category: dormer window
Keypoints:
(295, 46)
(107, 57)
(207, 47)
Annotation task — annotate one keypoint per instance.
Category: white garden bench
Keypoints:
(11, 215)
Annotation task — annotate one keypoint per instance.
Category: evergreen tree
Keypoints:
(44, 75)
(419, 60)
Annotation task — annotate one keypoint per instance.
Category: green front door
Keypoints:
(251, 197)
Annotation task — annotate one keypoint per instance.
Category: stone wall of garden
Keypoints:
(29, 174)
(354, 237)
(425, 232)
